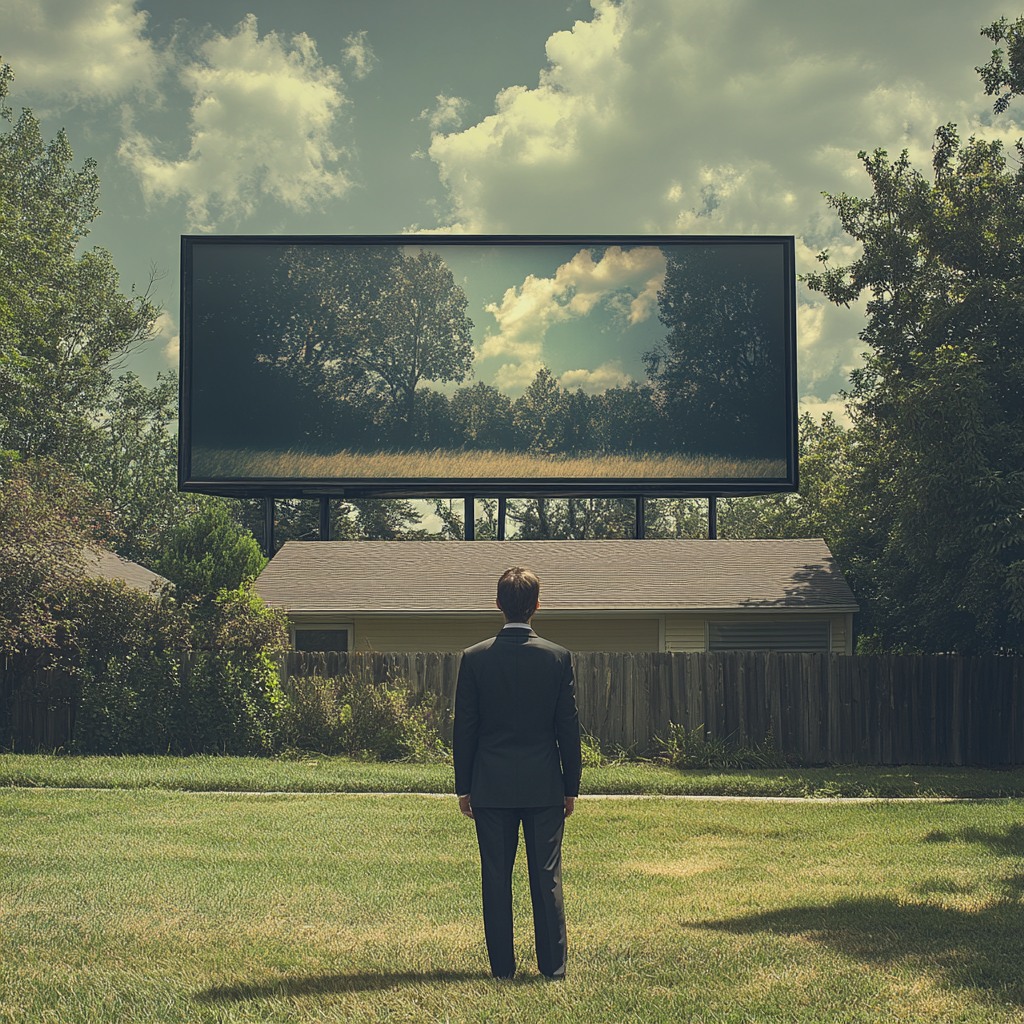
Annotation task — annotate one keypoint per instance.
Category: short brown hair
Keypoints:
(518, 590)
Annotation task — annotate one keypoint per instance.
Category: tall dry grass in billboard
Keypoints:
(221, 464)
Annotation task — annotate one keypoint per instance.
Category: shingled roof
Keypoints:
(103, 564)
(664, 575)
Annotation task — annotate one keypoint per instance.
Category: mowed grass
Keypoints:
(218, 463)
(318, 774)
(167, 907)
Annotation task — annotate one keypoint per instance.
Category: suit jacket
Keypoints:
(517, 732)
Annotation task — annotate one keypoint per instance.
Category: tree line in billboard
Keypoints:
(316, 361)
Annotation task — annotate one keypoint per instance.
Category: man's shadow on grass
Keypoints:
(964, 949)
(324, 984)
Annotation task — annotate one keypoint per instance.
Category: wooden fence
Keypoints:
(819, 707)
(44, 721)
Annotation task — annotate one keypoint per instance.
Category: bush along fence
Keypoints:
(816, 708)
(149, 702)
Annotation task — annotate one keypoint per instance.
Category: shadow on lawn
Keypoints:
(1006, 844)
(322, 984)
(966, 949)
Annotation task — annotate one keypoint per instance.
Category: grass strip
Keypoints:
(153, 906)
(338, 774)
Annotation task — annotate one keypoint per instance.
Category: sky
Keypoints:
(575, 117)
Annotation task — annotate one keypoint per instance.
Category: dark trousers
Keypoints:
(497, 832)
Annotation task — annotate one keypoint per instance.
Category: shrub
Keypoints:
(128, 664)
(232, 703)
(172, 702)
(209, 553)
(690, 748)
(357, 717)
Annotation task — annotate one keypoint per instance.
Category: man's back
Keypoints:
(516, 727)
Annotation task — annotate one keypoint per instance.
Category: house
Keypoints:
(603, 595)
(105, 565)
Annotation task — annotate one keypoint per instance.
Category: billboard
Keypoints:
(449, 365)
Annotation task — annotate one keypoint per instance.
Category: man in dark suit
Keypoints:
(518, 760)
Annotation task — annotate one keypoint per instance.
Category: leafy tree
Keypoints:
(48, 520)
(432, 424)
(418, 331)
(539, 414)
(482, 417)
(208, 553)
(133, 464)
(452, 523)
(720, 368)
(938, 406)
(388, 519)
(630, 420)
(363, 519)
(62, 317)
(575, 518)
(298, 356)
(579, 431)
(1000, 73)
(343, 337)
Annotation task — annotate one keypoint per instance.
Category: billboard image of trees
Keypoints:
(457, 364)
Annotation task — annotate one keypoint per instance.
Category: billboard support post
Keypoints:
(712, 519)
(501, 518)
(268, 527)
(641, 508)
(469, 529)
(325, 517)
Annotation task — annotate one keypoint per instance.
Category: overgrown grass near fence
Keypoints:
(187, 908)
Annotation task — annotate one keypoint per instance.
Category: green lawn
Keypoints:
(148, 905)
(326, 774)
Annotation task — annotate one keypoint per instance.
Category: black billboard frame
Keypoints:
(495, 487)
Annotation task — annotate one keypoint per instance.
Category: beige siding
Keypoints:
(453, 633)
(838, 634)
(684, 633)
(591, 633)
(423, 633)
(600, 633)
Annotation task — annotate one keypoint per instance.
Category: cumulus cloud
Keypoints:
(74, 51)
(524, 315)
(596, 382)
(448, 111)
(165, 335)
(516, 376)
(358, 54)
(720, 117)
(263, 120)
(817, 407)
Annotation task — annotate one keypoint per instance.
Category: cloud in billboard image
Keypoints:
(584, 363)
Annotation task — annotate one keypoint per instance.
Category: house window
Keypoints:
(751, 635)
(321, 639)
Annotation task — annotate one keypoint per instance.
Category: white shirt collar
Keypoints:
(517, 625)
